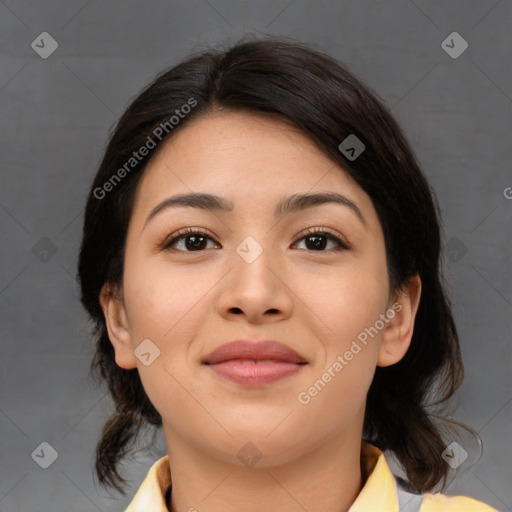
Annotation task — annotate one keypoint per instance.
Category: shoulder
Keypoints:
(441, 502)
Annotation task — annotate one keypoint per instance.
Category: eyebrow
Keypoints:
(291, 204)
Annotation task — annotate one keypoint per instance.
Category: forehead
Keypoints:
(248, 158)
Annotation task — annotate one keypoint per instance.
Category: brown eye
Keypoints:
(317, 239)
(193, 241)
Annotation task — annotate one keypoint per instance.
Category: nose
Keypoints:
(256, 290)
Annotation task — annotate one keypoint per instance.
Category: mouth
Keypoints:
(247, 350)
(252, 363)
(255, 373)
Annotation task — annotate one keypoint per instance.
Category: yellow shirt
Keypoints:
(379, 493)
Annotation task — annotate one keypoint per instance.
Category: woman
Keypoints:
(261, 258)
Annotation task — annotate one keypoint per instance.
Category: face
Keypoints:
(254, 273)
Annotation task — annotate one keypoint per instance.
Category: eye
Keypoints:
(194, 240)
(317, 238)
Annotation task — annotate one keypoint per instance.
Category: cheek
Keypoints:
(163, 305)
(333, 406)
(161, 299)
(348, 299)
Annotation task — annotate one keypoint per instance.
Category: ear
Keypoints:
(118, 327)
(397, 336)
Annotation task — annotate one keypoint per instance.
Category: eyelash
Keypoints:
(326, 232)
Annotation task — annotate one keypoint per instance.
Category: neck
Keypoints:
(327, 479)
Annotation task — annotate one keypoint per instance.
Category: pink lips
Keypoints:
(254, 363)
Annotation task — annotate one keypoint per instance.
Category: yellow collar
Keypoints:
(151, 494)
(379, 493)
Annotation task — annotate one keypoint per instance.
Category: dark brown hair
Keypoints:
(321, 97)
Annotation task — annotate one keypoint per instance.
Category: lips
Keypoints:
(261, 352)
(254, 364)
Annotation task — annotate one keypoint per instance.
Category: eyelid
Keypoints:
(341, 239)
(334, 234)
(181, 233)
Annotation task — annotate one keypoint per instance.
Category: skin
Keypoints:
(314, 300)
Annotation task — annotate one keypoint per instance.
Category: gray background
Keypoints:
(56, 114)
